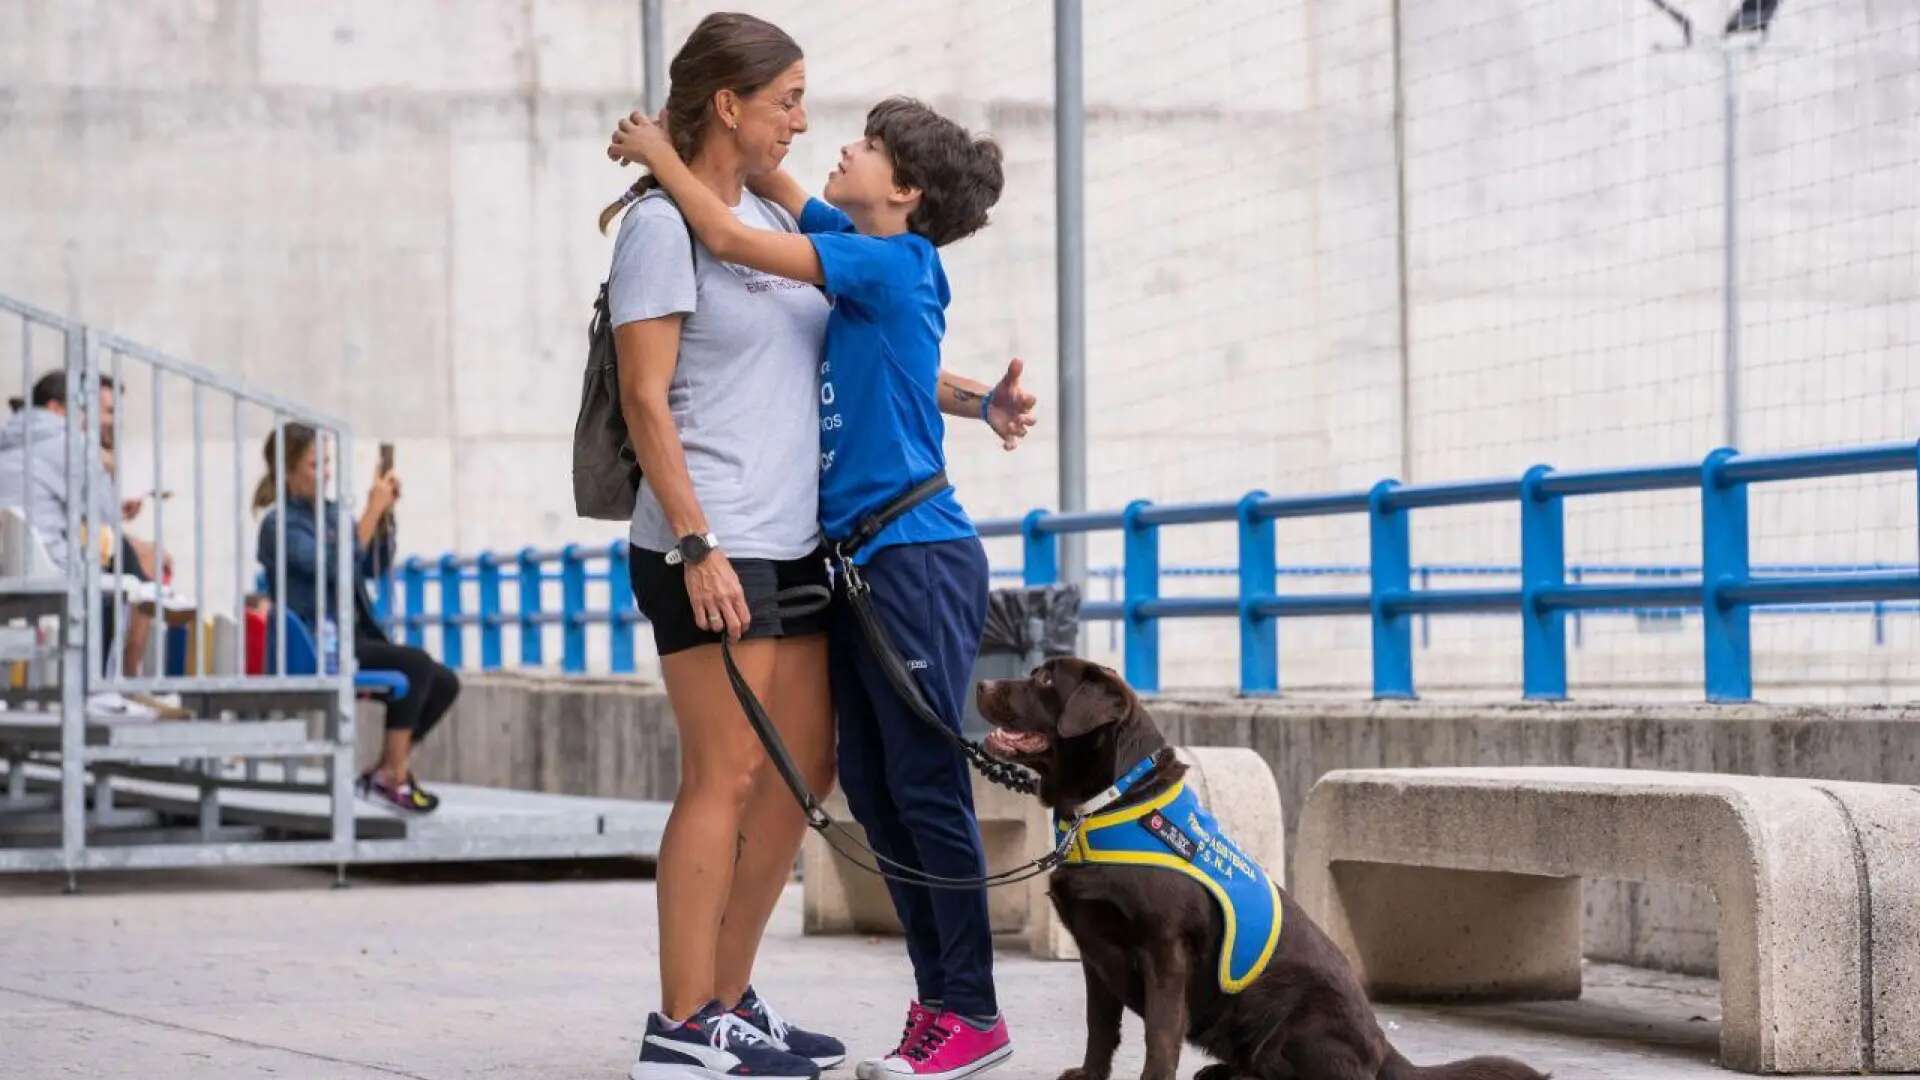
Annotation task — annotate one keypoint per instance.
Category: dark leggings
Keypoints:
(431, 685)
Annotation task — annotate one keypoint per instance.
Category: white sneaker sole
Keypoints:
(673, 1070)
(998, 1057)
(830, 1062)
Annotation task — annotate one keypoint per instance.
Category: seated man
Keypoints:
(33, 477)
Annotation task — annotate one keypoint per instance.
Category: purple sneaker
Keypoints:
(408, 798)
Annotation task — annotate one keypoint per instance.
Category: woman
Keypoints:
(432, 686)
(718, 377)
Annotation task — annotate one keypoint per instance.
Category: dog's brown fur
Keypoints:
(1148, 939)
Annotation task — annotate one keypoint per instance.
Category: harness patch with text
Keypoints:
(1173, 832)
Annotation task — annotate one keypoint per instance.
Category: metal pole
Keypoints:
(1400, 254)
(653, 56)
(1730, 332)
(79, 637)
(1069, 129)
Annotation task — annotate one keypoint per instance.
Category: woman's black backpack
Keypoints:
(606, 473)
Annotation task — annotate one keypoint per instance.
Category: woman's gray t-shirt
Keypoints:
(743, 393)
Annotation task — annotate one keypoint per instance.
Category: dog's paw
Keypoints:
(1079, 1074)
(1216, 1071)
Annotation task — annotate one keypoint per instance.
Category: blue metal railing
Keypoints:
(1725, 589)
(401, 604)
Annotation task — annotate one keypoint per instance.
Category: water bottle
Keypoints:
(329, 647)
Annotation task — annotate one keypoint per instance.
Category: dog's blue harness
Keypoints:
(1172, 831)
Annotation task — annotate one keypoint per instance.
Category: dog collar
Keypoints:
(1119, 789)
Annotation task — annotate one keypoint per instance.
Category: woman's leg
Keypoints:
(442, 689)
(773, 825)
(404, 714)
(719, 757)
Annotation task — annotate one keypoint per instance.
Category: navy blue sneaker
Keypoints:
(714, 1043)
(823, 1050)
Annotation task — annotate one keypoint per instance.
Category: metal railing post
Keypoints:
(1142, 571)
(1259, 634)
(1040, 551)
(573, 610)
(489, 612)
(1543, 564)
(530, 589)
(383, 601)
(621, 613)
(80, 630)
(1726, 625)
(453, 650)
(413, 577)
(1389, 573)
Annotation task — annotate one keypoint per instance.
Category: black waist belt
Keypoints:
(873, 524)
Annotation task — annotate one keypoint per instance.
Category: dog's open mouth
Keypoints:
(1014, 745)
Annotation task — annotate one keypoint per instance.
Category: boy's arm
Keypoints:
(1006, 406)
(786, 254)
(781, 189)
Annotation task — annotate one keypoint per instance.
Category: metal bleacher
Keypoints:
(233, 767)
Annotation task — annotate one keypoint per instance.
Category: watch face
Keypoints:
(694, 548)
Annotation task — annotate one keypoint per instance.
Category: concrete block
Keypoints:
(1795, 912)
(1884, 820)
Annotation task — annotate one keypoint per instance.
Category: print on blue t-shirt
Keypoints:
(880, 422)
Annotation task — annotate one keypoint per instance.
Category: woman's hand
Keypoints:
(384, 493)
(1010, 408)
(642, 140)
(718, 601)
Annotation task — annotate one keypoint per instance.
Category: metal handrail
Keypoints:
(1725, 588)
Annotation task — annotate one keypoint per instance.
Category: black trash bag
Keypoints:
(1043, 620)
(1024, 627)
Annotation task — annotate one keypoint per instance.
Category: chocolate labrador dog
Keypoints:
(1149, 937)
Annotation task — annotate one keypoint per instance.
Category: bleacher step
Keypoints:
(124, 736)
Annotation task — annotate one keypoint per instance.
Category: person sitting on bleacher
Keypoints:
(33, 477)
(432, 686)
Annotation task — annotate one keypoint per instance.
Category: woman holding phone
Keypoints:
(431, 685)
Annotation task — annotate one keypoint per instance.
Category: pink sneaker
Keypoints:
(918, 1017)
(950, 1048)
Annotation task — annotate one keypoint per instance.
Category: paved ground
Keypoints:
(271, 973)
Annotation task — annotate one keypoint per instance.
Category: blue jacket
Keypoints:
(303, 549)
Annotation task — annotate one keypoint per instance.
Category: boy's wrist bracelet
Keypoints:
(986, 405)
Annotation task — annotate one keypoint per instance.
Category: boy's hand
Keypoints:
(640, 140)
(1010, 407)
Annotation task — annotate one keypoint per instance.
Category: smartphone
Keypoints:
(386, 458)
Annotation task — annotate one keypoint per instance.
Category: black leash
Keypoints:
(808, 599)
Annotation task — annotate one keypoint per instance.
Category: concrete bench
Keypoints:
(1234, 783)
(1465, 883)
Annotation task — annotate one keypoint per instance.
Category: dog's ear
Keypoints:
(1102, 698)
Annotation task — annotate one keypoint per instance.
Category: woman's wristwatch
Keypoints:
(692, 549)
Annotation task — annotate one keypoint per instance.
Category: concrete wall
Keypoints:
(384, 208)
(617, 738)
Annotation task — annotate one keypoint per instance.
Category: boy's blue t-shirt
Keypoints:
(880, 422)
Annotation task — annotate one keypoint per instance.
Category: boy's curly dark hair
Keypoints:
(958, 175)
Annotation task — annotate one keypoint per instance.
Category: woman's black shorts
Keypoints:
(660, 591)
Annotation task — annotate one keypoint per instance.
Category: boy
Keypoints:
(914, 183)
